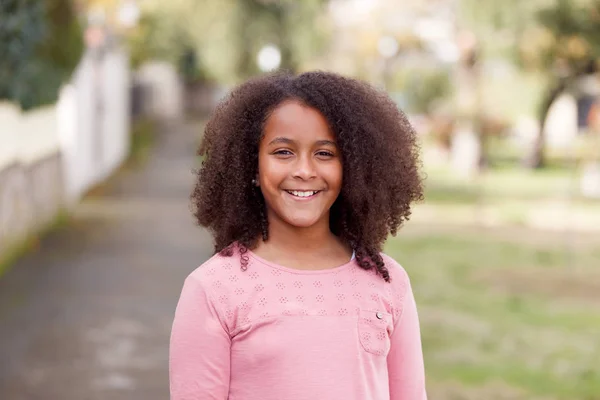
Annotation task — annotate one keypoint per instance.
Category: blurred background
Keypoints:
(102, 104)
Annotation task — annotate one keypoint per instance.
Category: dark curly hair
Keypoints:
(380, 161)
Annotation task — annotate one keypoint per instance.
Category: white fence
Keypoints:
(51, 156)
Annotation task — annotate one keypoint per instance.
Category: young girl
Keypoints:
(303, 179)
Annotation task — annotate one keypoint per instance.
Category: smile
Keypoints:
(303, 193)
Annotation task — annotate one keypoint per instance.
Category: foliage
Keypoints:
(568, 33)
(190, 67)
(568, 49)
(155, 37)
(290, 25)
(559, 39)
(425, 88)
(556, 37)
(40, 45)
(222, 38)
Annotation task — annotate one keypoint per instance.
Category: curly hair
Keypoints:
(380, 161)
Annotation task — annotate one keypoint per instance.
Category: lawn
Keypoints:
(541, 199)
(499, 184)
(505, 316)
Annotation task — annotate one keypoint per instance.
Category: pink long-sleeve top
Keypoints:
(276, 333)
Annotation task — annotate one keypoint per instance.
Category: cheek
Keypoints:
(270, 173)
(333, 175)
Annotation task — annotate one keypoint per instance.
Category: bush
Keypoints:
(156, 37)
(423, 88)
(41, 43)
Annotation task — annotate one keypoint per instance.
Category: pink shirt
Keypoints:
(276, 333)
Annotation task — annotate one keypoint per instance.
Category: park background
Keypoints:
(102, 104)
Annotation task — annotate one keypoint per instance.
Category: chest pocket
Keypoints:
(374, 329)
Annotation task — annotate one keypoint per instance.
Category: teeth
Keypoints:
(302, 194)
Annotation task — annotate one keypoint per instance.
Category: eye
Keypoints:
(283, 152)
(325, 153)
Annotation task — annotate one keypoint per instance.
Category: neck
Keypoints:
(290, 238)
(303, 248)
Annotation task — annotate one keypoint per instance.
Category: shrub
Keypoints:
(41, 43)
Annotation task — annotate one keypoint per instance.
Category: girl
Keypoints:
(303, 179)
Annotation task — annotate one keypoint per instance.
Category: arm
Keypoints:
(199, 358)
(405, 360)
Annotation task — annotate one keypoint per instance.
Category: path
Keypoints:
(88, 316)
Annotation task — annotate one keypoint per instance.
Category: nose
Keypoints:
(304, 168)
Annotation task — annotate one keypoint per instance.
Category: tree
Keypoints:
(557, 38)
(566, 46)
(290, 25)
(226, 35)
(40, 44)
(487, 29)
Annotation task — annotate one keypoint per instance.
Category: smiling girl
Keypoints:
(303, 179)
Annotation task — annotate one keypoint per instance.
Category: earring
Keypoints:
(255, 182)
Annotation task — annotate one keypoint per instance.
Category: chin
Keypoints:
(302, 221)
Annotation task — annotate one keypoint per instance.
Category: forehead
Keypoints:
(297, 121)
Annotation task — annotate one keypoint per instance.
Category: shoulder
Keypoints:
(399, 279)
(215, 272)
(397, 272)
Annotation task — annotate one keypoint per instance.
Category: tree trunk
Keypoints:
(535, 158)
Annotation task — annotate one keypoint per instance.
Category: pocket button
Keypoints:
(374, 328)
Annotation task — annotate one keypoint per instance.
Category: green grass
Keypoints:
(499, 184)
(26, 245)
(540, 199)
(498, 311)
(143, 133)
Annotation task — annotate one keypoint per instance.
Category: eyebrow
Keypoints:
(285, 140)
(282, 140)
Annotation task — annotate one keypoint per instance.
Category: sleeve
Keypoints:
(199, 355)
(405, 360)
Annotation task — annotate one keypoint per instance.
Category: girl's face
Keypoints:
(299, 167)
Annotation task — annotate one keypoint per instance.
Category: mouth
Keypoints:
(303, 194)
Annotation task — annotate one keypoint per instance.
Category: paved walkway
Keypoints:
(88, 316)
